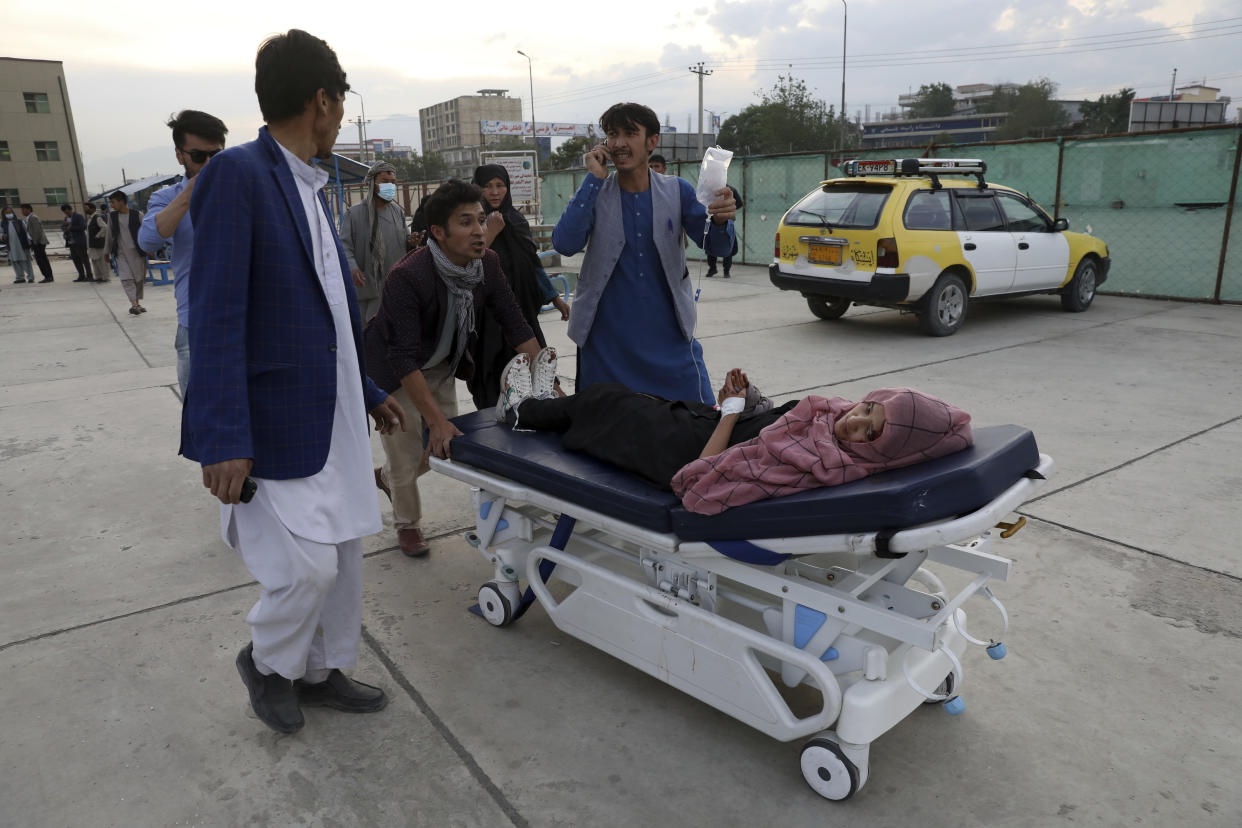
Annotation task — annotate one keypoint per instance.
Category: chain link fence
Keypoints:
(1160, 201)
(1165, 203)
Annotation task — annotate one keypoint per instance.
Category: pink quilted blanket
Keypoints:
(800, 451)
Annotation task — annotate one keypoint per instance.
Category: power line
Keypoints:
(904, 60)
(1087, 44)
(663, 73)
(1165, 31)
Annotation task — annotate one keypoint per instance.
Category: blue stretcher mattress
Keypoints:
(946, 487)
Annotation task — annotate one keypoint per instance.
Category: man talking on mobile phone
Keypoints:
(633, 316)
(278, 391)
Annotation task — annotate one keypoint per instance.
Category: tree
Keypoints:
(569, 154)
(1110, 113)
(434, 167)
(1031, 108)
(934, 101)
(786, 119)
(429, 167)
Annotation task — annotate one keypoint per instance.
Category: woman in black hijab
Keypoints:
(509, 235)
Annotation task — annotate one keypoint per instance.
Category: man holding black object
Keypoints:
(278, 391)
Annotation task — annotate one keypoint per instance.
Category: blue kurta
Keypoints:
(635, 339)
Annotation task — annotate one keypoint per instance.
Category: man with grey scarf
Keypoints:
(374, 236)
(419, 341)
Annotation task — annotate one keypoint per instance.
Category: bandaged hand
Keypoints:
(735, 385)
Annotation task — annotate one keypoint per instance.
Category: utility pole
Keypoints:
(841, 115)
(362, 119)
(534, 135)
(701, 72)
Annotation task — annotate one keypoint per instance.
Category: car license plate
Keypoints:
(824, 254)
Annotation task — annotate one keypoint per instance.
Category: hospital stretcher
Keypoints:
(827, 589)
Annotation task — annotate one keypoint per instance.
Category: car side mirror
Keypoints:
(1060, 224)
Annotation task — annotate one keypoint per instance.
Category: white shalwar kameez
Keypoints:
(301, 539)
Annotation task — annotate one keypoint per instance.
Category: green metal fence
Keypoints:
(1164, 202)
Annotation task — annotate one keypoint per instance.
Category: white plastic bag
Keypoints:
(713, 174)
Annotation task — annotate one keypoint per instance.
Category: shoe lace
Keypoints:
(545, 379)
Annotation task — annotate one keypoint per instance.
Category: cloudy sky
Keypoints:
(129, 66)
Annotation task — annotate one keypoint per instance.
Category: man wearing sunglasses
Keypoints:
(197, 136)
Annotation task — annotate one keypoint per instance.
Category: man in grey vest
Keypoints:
(633, 316)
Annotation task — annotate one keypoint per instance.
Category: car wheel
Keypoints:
(1077, 295)
(944, 308)
(828, 307)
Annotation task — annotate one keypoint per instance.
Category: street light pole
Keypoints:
(844, 29)
(362, 135)
(534, 138)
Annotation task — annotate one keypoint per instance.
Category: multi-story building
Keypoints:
(966, 99)
(451, 128)
(40, 162)
(959, 129)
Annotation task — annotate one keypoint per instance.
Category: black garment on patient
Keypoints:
(648, 435)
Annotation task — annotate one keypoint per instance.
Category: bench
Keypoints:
(164, 267)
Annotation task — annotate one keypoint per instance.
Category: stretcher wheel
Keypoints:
(494, 605)
(827, 770)
(945, 689)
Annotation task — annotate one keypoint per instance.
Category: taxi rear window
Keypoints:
(856, 205)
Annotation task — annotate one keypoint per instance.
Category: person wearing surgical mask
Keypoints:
(374, 236)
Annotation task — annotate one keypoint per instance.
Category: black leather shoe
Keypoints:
(45, 281)
(341, 693)
(272, 697)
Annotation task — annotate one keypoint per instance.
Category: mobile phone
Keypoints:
(249, 487)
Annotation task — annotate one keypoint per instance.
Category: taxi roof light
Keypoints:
(933, 167)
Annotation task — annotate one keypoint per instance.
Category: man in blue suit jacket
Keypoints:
(278, 392)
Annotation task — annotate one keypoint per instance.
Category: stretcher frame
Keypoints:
(834, 615)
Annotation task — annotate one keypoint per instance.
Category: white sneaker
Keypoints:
(515, 385)
(544, 375)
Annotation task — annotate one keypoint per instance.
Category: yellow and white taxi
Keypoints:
(926, 235)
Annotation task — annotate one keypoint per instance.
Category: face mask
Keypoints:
(388, 191)
(8, 216)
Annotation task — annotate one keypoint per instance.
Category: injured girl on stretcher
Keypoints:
(743, 450)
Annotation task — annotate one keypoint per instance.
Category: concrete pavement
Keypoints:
(122, 611)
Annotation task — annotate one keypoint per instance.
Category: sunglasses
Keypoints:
(199, 156)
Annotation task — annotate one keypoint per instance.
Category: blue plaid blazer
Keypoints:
(262, 341)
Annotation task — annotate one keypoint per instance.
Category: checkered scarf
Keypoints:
(461, 282)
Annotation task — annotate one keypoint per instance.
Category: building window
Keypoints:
(4, 151)
(46, 151)
(10, 198)
(36, 102)
(55, 195)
